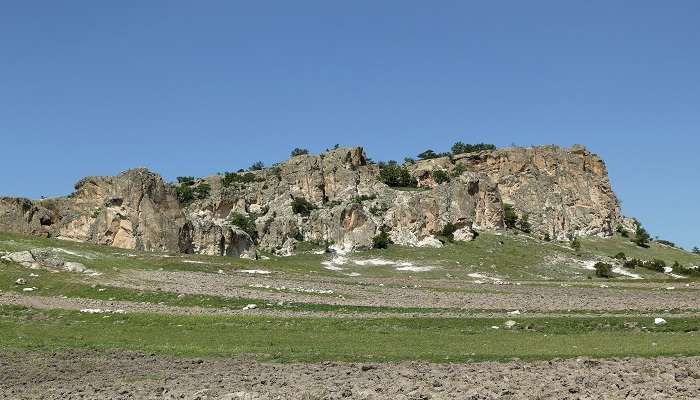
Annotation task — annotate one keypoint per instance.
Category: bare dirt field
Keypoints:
(129, 375)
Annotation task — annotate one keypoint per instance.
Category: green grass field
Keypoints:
(373, 339)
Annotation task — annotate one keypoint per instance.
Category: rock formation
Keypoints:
(565, 192)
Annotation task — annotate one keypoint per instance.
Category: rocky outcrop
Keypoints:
(201, 234)
(564, 192)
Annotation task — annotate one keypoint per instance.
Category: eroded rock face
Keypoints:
(202, 234)
(564, 191)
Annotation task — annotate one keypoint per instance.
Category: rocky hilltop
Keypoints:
(333, 198)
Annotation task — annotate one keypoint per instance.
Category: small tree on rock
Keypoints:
(298, 152)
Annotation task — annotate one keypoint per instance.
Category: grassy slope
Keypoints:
(381, 339)
(515, 257)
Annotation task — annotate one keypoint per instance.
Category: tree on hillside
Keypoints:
(298, 152)
(510, 218)
(257, 166)
(427, 155)
(394, 175)
(641, 236)
(696, 250)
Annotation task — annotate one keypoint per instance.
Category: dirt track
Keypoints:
(127, 375)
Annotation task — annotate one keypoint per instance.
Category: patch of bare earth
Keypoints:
(128, 375)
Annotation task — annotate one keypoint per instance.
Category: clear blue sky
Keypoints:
(196, 87)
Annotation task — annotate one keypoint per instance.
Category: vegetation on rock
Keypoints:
(302, 206)
(298, 152)
(459, 147)
(395, 175)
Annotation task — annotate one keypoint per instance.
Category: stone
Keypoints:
(564, 191)
(21, 281)
(659, 321)
(465, 234)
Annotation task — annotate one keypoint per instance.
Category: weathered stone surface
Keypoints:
(202, 234)
(563, 191)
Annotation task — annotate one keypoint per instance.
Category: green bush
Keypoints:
(185, 180)
(603, 270)
(298, 152)
(201, 191)
(231, 177)
(185, 194)
(510, 218)
(382, 240)
(576, 244)
(448, 231)
(641, 236)
(696, 250)
(440, 176)
(524, 223)
(620, 256)
(458, 170)
(364, 197)
(257, 166)
(245, 223)
(395, 175)
(666, 242)
(459, 147)
(302, 206)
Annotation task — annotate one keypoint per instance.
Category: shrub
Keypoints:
(459, 147)
(245, 223)
(230, 178)
(622, 231)
(440, 176)
(603, 270)
(524, 223)
(395, 175)
(576, 244)
(448, 231)
(185, 180)
(696, 250)
(364, 197)
(257, 166)
(641, 236)
(458, 170)
(185, 194)
(547, 238)
(632, 264)
(666, 242)
(382, 240)
(427, 155)
(510, 218)
(298, 152)
(302, 206)
(201, 191)
(620, 256)
(656, 265)
(409, 160)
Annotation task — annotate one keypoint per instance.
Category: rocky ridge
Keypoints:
(564, 191)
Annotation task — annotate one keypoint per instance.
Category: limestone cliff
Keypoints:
(564, 192)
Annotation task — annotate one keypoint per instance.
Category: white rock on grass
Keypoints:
(516, 312)
(659, 321)
(510, 324)
(29, 289)
(91, 310)
(21, 281)
(250, 307)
